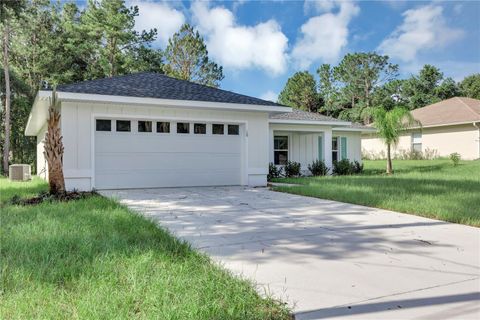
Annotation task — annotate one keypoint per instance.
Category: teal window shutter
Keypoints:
(344, 147)
(320, 148)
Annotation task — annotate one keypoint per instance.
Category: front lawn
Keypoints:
(95, 259)
(430, 188)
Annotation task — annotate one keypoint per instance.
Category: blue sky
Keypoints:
(261, 44)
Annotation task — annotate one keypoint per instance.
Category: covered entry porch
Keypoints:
(307, 143)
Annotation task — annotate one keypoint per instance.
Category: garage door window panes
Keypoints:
(280, 150)
(163, 127)
(183, 127)
(233, 129)
(123, 125)
(218, 128)
(200, 128)
(144, 126)
(103, 125)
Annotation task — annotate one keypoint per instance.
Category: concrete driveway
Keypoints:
(327, 259)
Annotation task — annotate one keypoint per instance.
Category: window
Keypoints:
(144, 126)
(280, 150)
(163, 127)
(123, 125)
(104, 125)
(183, 127)
(335, 149)
(417, 141)
(217, 128)
(199, 128)
(233, 129)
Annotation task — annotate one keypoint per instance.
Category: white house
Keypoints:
(149, 130)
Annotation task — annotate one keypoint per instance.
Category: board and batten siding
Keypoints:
(306, 143)
(354, 147)
(78, 136)
(42, 167)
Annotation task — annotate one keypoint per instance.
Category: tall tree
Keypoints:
(447, 89)
(389, 125)
(420, 90)
(328, 91)
(186, 58)
(300, 92)
(8, 9)
(360, 73)
(109, 24)
(470, 86)
(6, 123)
(389, 95)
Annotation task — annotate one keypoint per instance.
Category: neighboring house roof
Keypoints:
(154, 85)
(451, 111)
(304, 116)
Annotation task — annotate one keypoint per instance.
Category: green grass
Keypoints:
(94, 259)
(429, 188)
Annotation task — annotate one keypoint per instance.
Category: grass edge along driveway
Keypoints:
(429, 188)
(95, 259)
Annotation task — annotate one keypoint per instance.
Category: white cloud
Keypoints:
(241, 47)
(324, 36)
(422, 28)
(162, 16)
(269, 96)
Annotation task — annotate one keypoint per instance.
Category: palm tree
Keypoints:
(54, 149)
(389, 125)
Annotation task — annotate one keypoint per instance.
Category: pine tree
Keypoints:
(186, 58)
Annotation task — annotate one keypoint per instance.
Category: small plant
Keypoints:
(292, 169)
(273, 171)
(455, 158)
(318, 168)
(345, 167)
(342, 167)
(357, 167)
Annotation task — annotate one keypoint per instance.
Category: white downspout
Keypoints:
(475, 124)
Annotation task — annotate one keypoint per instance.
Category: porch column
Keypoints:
(327, 148)
(270, 145)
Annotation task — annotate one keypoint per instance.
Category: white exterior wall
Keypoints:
(77, 122)
(463, 139)
(42, 167)
(354, 144)
(303, 143)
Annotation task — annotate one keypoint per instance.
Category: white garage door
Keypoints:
(143, 154)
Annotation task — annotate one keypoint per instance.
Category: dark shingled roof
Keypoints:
(154, 85)
(303, 115)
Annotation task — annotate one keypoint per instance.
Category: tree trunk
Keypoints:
(54, 152)
(389, 160)
(6, 145)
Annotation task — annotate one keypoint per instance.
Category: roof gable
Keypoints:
(450, 111)
(154, 85)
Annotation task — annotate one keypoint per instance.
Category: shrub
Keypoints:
(342, 167)
(455, 158)
(318, 168)
(292, 169)
(357, 167)
(345, 167)
(273, 171)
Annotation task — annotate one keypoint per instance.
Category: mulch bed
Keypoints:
(45, 196)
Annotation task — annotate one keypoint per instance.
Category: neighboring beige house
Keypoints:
(449, 126)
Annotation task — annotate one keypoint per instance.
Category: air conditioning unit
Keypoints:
(20, 172)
